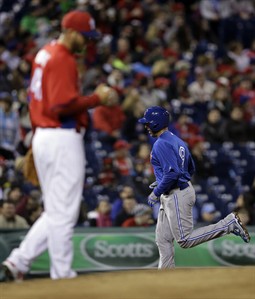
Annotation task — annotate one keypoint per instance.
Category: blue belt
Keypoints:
(182, 186)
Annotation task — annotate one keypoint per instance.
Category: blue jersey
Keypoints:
(172, 163)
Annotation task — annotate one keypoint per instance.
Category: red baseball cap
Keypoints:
(161, 82)
(121, 144)
(80, 21)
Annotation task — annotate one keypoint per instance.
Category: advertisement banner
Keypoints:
(226, 251)
(108, 251)
(116, 249)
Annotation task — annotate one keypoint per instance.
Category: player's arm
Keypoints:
(76, 105)
(65, 98)
(103, 95)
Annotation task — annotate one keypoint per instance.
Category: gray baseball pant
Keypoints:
(175, 222)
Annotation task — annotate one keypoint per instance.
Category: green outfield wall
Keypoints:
(131, 248)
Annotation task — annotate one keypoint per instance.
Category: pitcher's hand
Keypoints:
(108, 96)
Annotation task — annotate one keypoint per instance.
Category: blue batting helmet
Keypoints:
(156, 118)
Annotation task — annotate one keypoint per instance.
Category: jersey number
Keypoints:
(182, 154)
(36, 84)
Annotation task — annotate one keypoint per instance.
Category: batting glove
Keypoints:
(153, 185)
(152, 199)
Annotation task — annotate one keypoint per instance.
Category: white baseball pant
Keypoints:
(60, 162)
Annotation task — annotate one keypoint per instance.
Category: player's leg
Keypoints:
(227, 225)
(179, 213)
(34, 243)
(178, 207)
(164, 241)
(65, 171)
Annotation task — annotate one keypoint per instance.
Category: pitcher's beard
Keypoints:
(78, 48)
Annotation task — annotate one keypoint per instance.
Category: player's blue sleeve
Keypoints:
(167, 160)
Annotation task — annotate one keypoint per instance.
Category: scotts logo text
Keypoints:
(233, 251)
(121, 251)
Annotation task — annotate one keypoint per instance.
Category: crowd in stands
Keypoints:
(195, 58)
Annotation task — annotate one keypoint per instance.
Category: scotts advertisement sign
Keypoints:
(233, 251)
(120, 250)
(97, 250)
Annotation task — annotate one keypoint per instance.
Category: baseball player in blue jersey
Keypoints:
(173, 168)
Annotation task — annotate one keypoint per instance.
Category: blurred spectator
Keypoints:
(25, 123)
(186, 128)
(221, 98)
(204, 167)
(244, 22)
(143, 153)
(236, 128)
(122, 161)
(141, 179)
(161, 90)
(10, 56)
(179, 31)
(251, 52)
(212, 129)
(101, 217)
(29, 206)
(34, 213)
(9, 219)
(126, 191)
(206, 63)
(240, 56)
(148, 95)
(142, 217)
(209, 214)
(201, 90)
(22, 74)
(126, 212)
(143, 174)
(107, 176)
(83, 215)
(246, 205)
(160, 68)
(215, 11)
(244, 92)
(245, 7)
(123, 50)
(6, 81)
(133, 109)
(108, 122)
(116, 80)
(13, 192)
(180, 88)
(9, 127)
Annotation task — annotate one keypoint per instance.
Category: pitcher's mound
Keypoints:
(190, 283)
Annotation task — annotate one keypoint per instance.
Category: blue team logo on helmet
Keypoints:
(156, 118)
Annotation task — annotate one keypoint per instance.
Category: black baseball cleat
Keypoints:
(240, 230)
(10, 272)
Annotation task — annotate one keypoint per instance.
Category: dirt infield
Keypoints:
(192, 283)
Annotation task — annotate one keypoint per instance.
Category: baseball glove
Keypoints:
(29, 170)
